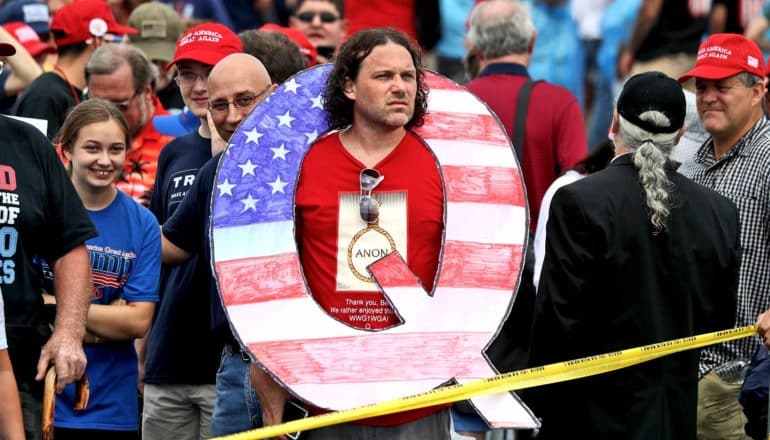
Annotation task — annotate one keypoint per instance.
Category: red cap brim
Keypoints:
(710, 72)
(7, 49)
(209, 58)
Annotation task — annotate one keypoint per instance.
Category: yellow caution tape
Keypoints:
(516, 380)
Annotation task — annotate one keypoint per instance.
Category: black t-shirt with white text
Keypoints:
(41, 215)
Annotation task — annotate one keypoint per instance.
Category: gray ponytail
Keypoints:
(650, 154)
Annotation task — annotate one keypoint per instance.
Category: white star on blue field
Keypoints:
(257, 176)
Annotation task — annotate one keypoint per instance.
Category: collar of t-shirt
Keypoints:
(506, 68)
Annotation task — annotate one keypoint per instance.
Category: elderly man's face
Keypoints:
(118, 87)
(232, 96)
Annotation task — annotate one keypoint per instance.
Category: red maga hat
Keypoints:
(81, 20)
(206, 43)
(724, 55)
(24, 34)
(300, 39)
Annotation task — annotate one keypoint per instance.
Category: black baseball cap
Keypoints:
(652, 91)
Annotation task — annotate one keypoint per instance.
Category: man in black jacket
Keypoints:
(635, 254)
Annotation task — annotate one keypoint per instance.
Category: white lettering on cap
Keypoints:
(753, 62)
(97, 27)
(35, 12)
(714, 52)
(200, 35)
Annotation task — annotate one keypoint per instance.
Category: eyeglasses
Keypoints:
(187, 78)
(309, 16)
(221, 106)
(121, 105)
(368, 207)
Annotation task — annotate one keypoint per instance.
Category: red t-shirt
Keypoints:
(336, 245)
(398, 14)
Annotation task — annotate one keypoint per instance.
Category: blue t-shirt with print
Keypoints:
(125, 263)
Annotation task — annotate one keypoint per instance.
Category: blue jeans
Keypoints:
(236, 408)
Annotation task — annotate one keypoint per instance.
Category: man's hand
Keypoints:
(763, 327)
(217, 143)
(272, 396)
(67, 355)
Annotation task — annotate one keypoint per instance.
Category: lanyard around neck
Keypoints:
(67, 80)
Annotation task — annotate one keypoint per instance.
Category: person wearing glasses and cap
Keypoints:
(42, 216)
(635, 254)
(11, 423)
(730, 89)
(179, 356)
(323, 22)
(78, 28)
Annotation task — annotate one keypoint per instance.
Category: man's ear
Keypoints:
(148, 93)
(614, 126)
(759, 90)
(350, 89)
(531, 47)
(679, 135)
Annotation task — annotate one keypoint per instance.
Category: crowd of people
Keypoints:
(647, 212)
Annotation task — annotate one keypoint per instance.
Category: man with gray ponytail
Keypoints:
(635, 254)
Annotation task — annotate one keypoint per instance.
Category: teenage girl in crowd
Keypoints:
(125, 263)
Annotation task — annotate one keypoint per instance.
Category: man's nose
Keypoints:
(234, 115)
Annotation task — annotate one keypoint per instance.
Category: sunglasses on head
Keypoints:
(309, 16)
(368, 207)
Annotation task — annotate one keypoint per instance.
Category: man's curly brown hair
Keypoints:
(339, 108)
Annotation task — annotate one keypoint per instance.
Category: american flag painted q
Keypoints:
(327, 363)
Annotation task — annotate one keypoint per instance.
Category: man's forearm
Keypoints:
(172, 254)
(648, 16)
(72, 284)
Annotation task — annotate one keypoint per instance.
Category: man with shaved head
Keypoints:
(236, 84)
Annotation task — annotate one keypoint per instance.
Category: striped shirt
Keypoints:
(742, 175)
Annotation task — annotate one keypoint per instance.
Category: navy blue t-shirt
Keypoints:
(189, 228)
(181, 348)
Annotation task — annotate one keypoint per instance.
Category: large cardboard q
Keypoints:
(442, 337)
